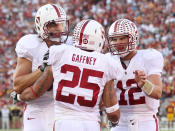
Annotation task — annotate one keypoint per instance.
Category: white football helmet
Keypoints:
(123, 27)
(89, 35)
(51, 13)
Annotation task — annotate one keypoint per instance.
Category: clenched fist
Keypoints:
(140, 77)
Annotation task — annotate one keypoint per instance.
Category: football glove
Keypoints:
(45, 61)
(13, 96)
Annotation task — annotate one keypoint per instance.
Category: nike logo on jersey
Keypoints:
(30, 118)
(132, 122)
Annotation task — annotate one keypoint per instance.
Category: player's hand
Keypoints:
(46, 57)
(13, 96)
(140, 78)
(45, 61)
(112, 124)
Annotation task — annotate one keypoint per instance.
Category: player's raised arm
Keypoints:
(110, 102)
(156, 81)
(152, 85)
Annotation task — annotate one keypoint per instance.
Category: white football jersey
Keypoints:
(132, 99)
(79, 80)
(33, 48)
(69, 41)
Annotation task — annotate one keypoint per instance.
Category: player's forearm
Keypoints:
(157, 92)
(156, 85)
(39, 88)
(44, 82)
(109, 94)
(27, 95)
(110, 102)
(24, 81)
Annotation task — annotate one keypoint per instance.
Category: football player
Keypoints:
(52, 27)
(82, 76)
(170, 114)
(140, 89)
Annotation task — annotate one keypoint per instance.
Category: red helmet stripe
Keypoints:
(115, 27)
(58, 13)
(82, 31)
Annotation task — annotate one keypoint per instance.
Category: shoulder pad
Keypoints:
(153, 61)
(27, 45)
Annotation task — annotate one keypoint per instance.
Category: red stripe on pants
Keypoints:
(54, 126)
(157, 126)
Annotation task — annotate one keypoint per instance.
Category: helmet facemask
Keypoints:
(57, 31)
(47, 18)
(121, 49)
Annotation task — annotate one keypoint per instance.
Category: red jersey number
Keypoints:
(131, 92)
(83, 84)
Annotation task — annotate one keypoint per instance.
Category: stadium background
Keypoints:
(155, 20)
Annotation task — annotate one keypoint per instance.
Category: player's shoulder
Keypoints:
(69, 40)
(57, 52)
(150, 54)
(110, 57)
(60, 48)
(111, 61)
(113, 66)
(29, 41)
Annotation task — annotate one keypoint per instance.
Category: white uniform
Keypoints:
(79, 80)
(39, 113)
(138, 111)
(5, 112)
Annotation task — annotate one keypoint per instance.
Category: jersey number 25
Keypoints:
(83, 84)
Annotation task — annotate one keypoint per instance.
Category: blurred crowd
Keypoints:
(155, 20)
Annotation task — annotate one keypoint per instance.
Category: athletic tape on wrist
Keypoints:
(112, 108)
(18, 97)
(114, 122)
(148, 87)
